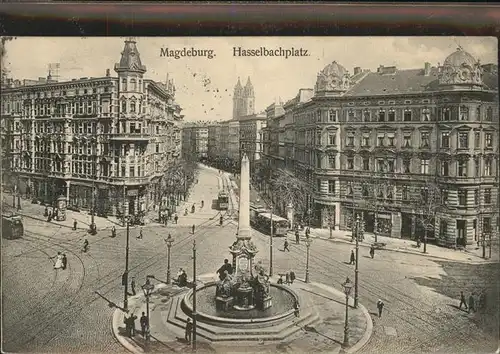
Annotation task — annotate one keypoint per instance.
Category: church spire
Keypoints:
(130, 59)
(248, 91)
(238, 89)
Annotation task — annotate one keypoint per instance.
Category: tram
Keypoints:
(12, 226)
(223, 201)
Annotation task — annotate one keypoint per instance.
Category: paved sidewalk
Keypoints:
(326, 335)
(470, 255)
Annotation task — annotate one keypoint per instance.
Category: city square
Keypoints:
(147, 201)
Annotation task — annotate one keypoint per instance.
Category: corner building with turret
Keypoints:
(104, 140)
(400, 130)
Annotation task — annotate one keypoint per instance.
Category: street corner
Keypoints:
(332, 317)
(119, 331)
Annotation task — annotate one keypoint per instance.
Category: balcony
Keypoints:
(128, 181)
(130, 136)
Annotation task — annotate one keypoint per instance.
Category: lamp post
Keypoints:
(356, 269)
(148, 289)
(93, 230)
(194, 295)
(169, 242)
(271, 246)
(347, 290)
(308, 244)
(125, 274)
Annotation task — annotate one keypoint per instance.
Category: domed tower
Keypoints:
(333, 80)
(248, 99)
(461, 70)
(238, 100)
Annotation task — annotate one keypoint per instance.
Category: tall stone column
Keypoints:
(244, 210)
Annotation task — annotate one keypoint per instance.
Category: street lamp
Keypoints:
(93, 229)
(169, 242)
(194, 295)
(347, 290)
(147, 288)
(356, 269)
(308, 244)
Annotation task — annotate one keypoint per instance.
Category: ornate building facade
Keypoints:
(102, 140)
(372, 143)
(195, 141)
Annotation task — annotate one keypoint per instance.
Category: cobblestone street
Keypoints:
(53, 311)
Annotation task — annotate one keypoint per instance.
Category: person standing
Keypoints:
(353, 258)
(471, 303)
(297, 237)
(285, 248)
(85, 245)
(192, 228)
(372, 251)
(132, 286)
(132, 319)
(380, 307)
(292, 276)
(176, 218)
(189, 331)
(308, 231)
(287, 278)
(280, 280)
(144, 324)
(221, 220)
(58, 263)
(462, 301)
(74, 224)
(64, 261)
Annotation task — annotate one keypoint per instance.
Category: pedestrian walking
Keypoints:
(380, 307)
(139, 236)
(59, 260)
(202, 204)
(285, 246)
(144, 324)
(189, 331)
(462, 301)
(353, 258)
(221, 220)
(192, 228)
(297, 237)
(292, 276)
(75, 224)
(132, 286)
(113, 232)
(64, 261)
(471, 303)
(128, 327)
(185, 212)
(308, 231)
(176, 218)
(372, 251)
(193, 209)
(85, 245)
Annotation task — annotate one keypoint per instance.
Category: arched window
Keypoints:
(124, 106)
(133, 85)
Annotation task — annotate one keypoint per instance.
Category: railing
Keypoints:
(131, 136)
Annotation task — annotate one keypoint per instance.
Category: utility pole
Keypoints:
(125, 275)
(271, 246)
(194, 295)
(356, 269)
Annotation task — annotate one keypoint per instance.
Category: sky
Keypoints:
(205, 86)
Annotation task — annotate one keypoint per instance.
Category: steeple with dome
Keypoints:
(332, 80)
(461, 69)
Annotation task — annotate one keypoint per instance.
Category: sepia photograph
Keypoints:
(250, 194)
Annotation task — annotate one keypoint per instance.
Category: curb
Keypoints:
(117, 320)
(407, 252)
(369, 323)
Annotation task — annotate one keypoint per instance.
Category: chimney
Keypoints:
(427, 69)
(357, 70)
(108, 73)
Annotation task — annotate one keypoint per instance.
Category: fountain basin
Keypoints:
(283, 297)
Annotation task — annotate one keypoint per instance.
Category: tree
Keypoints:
(428, 201)
(288, 189)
